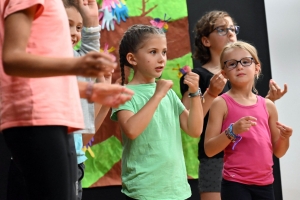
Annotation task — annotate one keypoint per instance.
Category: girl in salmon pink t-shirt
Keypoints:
(39, 98)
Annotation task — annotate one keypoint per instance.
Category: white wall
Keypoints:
(284, 41)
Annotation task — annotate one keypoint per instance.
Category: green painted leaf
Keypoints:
(171, 71)
(176, 9)
(107, 153)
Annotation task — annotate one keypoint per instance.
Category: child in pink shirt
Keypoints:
(245, 125)
(39, 99)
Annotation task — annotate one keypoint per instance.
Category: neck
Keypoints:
(241, 91)
(139, 79)
(214, 64)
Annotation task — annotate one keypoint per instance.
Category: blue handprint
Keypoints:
(108, 19)
(121, 12)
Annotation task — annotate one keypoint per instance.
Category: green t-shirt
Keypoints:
(153, 164)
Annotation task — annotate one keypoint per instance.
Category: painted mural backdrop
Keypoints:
(104, 168)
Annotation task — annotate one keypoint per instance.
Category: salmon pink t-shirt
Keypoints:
(40, 101)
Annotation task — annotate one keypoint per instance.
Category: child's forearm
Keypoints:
(137, 123)
(205, 104)
(195, 118)
(100, 116)
(281, 147)
(22, 64)
(215, 145)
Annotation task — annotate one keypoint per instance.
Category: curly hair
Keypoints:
(132, 40)
(202, 29)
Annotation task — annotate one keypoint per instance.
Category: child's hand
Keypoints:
(275, 92)
(105, 79)
(192, 80)
(243, 124)
(110, 95)
(285, 131)
(162, 87)
(94, 64)
(89, 12)
(217, 83)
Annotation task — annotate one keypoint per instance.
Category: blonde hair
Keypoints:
(248, 47)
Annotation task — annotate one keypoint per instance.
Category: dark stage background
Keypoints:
(250, 15)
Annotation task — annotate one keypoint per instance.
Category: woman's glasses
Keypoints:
(221, 30)
(245, 62)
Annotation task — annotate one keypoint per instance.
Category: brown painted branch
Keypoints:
(143, 6)
(145, 13)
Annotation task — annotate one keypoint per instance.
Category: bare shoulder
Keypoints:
(270, 106)
(219, 105)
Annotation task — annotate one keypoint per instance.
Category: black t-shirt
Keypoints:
(204, 81)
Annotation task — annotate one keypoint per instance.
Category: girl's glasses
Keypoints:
(221, 30)
(245, 62)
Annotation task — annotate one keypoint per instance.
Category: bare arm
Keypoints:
(131, 123)
(17, 62)
(192, 121)
(205, 106)
(134, 124)
(100, 116)
(280, 133)
(214, 141)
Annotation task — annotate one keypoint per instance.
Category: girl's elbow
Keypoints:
(8, 64)
(208, 152)
(131, 134)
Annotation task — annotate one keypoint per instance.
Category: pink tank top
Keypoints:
(251, 160)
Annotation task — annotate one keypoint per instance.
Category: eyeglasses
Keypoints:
(245, 62)
(221, 30)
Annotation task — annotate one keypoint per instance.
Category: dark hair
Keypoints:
(71, 3)
(132, 40)
(202, 29)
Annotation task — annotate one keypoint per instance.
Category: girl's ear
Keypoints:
(224, 73)
(131, 59)
(205, 41)
(257, 69)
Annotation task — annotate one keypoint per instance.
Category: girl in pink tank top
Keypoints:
(246, 127)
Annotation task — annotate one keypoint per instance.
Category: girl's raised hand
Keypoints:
(89, 12)
(217, 83)
(285, 131)
(162, 87)
(94, 64)
(243, 124)
(192, 80)
(275, 92)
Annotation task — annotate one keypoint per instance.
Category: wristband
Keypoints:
(89, 91)
(210, 94)
(196, 94)
(92, 29)
(232, 136)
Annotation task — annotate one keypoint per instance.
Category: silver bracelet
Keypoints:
(196, 94)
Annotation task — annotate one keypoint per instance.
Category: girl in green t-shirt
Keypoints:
(152, 162)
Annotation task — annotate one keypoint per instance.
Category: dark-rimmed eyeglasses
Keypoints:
(221, 30)
(245, 62)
